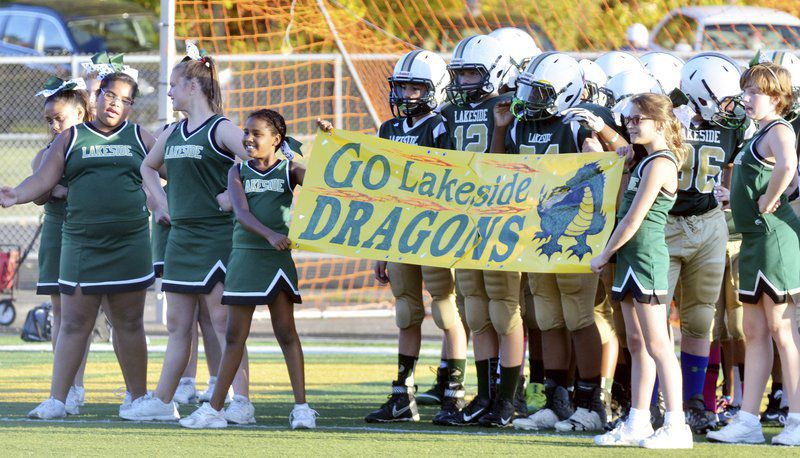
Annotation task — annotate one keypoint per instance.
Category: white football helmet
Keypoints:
(551, 83)
(484, 54)
(423, 67)
(792, 63)
(594, 81)
(630, 83)
(711, 82)
(616, 62)
(665, 68)
(520, 47)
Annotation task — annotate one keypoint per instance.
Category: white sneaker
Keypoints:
(669, 436)
(72, 403)
(204, 417)
(303, 417)
(542, 419)
(205, 396)
(126, 402)
(790, 434)
(582, 420)
(48, 410)
(240, 411)
(150, 408)
(77, 392)
(186, 393)
(737, 431)
(624, 436)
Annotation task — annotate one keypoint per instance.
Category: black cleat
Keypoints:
(773, 413)
(698, 418)
(452, 404)
(401, 406)
(434, 396)
(470, 414)
(500, 415)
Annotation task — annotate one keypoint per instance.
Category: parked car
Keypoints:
(50, 27)
(710, 28)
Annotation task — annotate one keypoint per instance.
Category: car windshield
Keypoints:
(750, 37)
(114, 34)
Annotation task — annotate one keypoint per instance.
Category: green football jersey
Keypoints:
(269, 196)
(710, 149)
(197, 170)
(102, 173)
(751, 175)
(429, 131)
(545, 136)
(470, 127)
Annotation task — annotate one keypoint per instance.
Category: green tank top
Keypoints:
(197, 170)
(751, 175)
(269, 196)
(102, 173)
(55, 209)
(657, 215)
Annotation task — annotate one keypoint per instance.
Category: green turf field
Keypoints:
(342, 388)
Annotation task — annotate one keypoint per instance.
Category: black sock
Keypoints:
(776, 386)
(494, 376)
(558, 376)
(584, 391)
(509, 377)
(537, 370)
(741, 372)
(482, 371)
(405, 368)
(455, 370)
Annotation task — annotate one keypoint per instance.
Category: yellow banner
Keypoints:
(367, 197)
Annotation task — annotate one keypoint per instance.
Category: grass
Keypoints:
(342, 388)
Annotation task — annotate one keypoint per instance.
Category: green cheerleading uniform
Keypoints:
(769, 260)
(642, 267)
(199, 240)
(106, 242)
(50, 245)
(158, 237)
(257, 272)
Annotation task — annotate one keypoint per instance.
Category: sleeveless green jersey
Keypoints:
(470, 127)
(545, 136)
(796, 126)
(429, 131)
(56, 208)
(102, 174)
(710, 149)
(197, 170)
(751, 175)
(657, 214)
(269, 196)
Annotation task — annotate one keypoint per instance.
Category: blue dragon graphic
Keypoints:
(572, 210)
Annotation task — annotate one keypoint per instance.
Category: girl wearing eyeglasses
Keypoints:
(105, 238)
(641, 275)
(769, 260)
